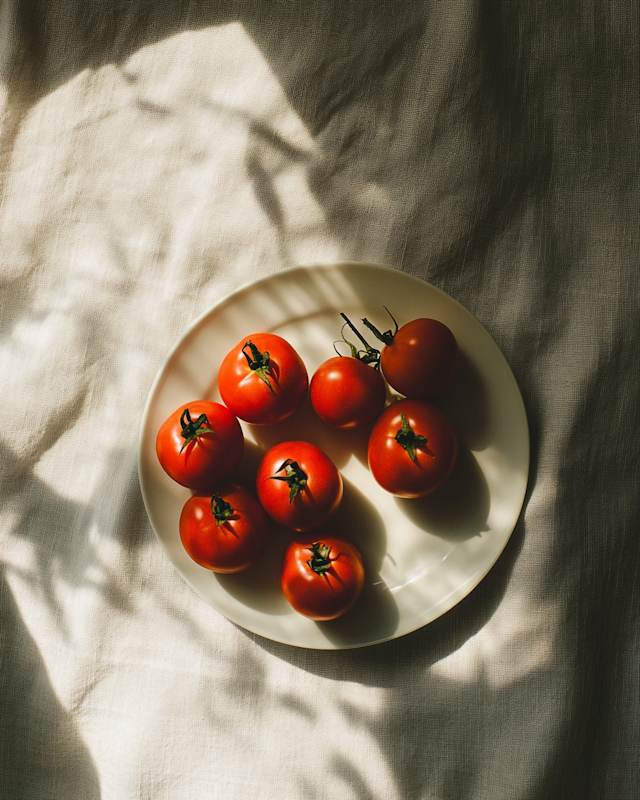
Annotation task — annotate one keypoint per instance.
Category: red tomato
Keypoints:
(347, 393)
(298, 485)
(412, 448)
(226, 532)
(322, 576)
(263, 380)
(200, 444)
(419, 359)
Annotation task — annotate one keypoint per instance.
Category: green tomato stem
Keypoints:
(319, 561)
(221, 509)
(191, 430)
(259, 362)
(387, 337)
(294, 476)
(369, 355)
(406, 438)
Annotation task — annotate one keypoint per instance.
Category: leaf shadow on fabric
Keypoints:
(73, 560)
(40, 744)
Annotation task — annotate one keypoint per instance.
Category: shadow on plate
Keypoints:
(457, 511)
(259, 586)
(306, 426)
(375, 615)
(465, 403)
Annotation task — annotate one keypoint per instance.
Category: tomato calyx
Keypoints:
(259, 362)
(387, 337)
(294, 476)
(408, 439)
(369, 355)
(319, 561)
(221, 509)
(191, 430)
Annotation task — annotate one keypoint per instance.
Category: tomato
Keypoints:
(224, 532)
(420, 359)
(298, 485)
(263, 380)
(347, 393)
(200, 444)
(412, 448)
(322, 576)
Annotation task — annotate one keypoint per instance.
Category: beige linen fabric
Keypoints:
(156, 156)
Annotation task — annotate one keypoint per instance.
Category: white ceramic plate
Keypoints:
(421, 556)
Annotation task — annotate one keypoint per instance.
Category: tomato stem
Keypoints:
(406, 438)
(387, 337)
(221, 509)
(259, 362)
(369, 355)
(190, 429)
(294, 476)
(319, 561)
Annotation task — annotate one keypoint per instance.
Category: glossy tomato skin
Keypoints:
(209, 458)
(249, 396)
(347, 393)
(328, 596)
(315, 502)
(392, 466)
(422, 359)
(234, 545)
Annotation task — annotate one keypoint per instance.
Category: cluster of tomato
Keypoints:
(411, 452)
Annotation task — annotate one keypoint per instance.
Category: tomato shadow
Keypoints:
(259, 586)
(459, 509)
(374, 617)
(306, 426)
(465, 403)
(247, 470)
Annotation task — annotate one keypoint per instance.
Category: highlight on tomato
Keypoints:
(227, 531)
(200, 444)
(263, 380)
(348, 391)
(322, 575)
(412, 448)
(419, 360)
(298, 485)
